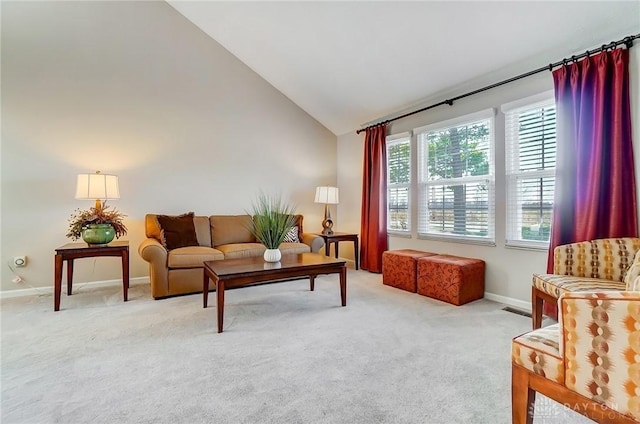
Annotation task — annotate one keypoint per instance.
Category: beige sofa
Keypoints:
(219, 237)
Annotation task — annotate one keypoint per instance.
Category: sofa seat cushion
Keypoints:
(192, 256)
(242, 250)
(539, 352)
(290, 248)
(555, 285)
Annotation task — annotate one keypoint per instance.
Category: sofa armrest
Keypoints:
(607, 259)
(155, 253)
(313, 241)
(600, 343)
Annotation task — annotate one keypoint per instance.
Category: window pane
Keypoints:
(460, 151)
(461, 209)
(398, 212)
(398, 183)
(535, 203)
(398, 160)
(537, 139)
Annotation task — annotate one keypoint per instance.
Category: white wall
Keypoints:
(508, 270)
(134, 89)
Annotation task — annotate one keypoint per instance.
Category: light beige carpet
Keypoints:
(287, 355)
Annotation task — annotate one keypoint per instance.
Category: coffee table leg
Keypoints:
(220, 303)
(205, 289)
(343, 285)
(312, 282)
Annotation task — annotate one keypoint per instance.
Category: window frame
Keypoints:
(390, 141)
(423, 184)
(513, 226)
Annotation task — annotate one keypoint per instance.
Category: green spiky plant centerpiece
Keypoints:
(272, 220)
(96, 226)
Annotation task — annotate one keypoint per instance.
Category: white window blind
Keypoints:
(456, 180)
(399, 184)
(530, 140)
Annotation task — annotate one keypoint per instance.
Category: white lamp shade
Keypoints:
(97, 186)
(327, 195)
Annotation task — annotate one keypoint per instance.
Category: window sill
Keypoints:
(526, 246)
(399, 235)
(445, 239)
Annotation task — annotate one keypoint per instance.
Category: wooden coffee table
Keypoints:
(239, 272)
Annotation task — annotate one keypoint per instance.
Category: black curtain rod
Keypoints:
(628, 41)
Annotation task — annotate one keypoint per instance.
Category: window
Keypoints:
(530, 145)
(456, 182)
(398, 183)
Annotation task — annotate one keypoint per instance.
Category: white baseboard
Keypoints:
(32, 291)
(526, 306)
(520, 304)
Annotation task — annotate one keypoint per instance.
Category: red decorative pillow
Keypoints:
(177, 231)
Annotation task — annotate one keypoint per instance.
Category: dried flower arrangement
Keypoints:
(81, 218)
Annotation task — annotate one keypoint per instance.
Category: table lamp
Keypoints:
(328, 196)
(97, 186)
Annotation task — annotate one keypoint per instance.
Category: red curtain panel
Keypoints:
(595, 194)
(373, 226)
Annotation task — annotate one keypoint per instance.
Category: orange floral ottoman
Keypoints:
(451, 278)
(399, 268)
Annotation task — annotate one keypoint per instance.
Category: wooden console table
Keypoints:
(71, 251)
(336, 238)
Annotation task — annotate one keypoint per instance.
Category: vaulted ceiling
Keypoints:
(348, 63)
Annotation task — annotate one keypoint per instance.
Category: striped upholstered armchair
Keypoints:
(596, 265)
(589, 362)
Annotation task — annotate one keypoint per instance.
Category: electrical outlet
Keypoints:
(20, 261)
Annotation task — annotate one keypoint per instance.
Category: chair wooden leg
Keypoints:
(522, 396)
(537, 303)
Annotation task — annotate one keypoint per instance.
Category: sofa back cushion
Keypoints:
(201, 223)
(228, 229)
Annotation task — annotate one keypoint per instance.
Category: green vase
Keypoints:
(98, 233)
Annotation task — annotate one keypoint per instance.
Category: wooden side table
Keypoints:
(71, 251)
(336, 238)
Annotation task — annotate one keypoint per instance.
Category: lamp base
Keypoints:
(327, 226)
(327, 222)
